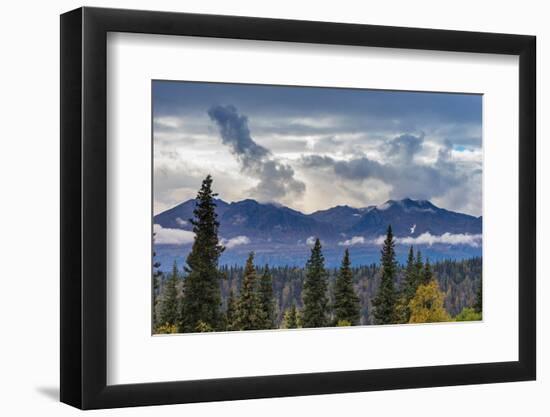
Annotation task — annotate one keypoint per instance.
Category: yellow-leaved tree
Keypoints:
(167, 328)
(427, 304)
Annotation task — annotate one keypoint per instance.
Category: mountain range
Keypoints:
(280, 235)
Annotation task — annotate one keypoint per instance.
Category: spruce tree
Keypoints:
(419, 268)
(478, 305)
(427, 275)
(385, 300)
(314, 294)
(231, 312)
(157, 274)
(169, 303)
(201, 296)
(290, 320)
(249, 309)
(346, 301)
(156, 286)
(267, 303)
(410, 284)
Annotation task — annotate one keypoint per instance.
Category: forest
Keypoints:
(202, 296)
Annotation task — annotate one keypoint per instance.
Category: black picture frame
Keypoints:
(84, 207)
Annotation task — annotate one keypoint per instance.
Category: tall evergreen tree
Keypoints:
(410, 284)
(427, 275)
(201, 294)
(231, 312)
(157, 274)
(156, 286)
(419, 268)
(314, 293)
(411, 281)
(478, 305)
(290, 320)
(346, 301)
(169, 304)
(267, 303)
(249, 309)
(385, 300)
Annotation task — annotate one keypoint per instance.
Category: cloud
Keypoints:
(235, 133)
(380, 240)
(235, 241)
(180, 221)
(440, 177)
(355, 240)
(304, 105)
(310, 241)
(389, 129)
(446, 238)
(404, 147)
(424, 239)
(166, 236)
(276, 178)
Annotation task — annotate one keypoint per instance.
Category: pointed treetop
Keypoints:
(346, 301)
(249, 315)
(291, 318)
(410, 257)
(201, 295)
(386, 298)
(314, 293)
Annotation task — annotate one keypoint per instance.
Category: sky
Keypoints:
(312, 148)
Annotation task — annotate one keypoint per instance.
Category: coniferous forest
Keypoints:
(202, 296)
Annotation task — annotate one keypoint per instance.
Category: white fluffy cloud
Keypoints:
(166, 236)
(180, 222)
(446, 238)
(355, 240)
(424, 239)
(235, 241)
(310, 241)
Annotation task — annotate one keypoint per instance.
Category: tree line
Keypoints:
(458, 279)
(200, 299)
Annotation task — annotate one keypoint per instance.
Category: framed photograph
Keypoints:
(257, 208)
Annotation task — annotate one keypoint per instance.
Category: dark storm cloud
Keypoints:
(276, 179)
(279, 110)
(406, 177)
(252, 99)
(404, 147)
(359, 168)
(235, 133)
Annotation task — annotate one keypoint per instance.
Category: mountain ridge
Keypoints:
(282, 236)
(407, 216)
